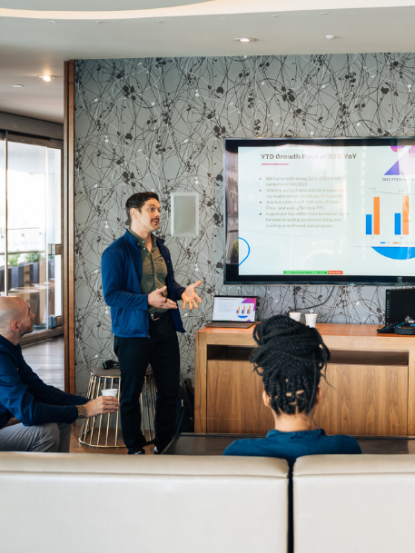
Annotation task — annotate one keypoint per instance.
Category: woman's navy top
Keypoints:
(291, 445)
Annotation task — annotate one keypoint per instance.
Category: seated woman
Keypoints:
(291, 358)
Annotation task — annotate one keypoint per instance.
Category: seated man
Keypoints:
(45, 414)
(291, 358)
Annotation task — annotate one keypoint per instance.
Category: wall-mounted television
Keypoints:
(319, 211)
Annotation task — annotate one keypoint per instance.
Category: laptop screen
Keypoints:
(235, 309)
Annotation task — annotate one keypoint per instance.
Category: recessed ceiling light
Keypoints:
(329, 37)
(245, 39)
(47, 78)
(17, 85)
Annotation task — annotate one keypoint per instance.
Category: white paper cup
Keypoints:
(110, 392)
(295, 315)
(311, 319)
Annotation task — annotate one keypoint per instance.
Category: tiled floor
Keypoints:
(215, 444)
(391, 446)
(47, 360)
(76, 447)
(197, 444)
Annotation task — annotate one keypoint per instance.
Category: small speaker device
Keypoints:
(400, 304)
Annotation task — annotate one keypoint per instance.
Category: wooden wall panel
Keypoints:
(411, 394)
(68, 226)
(200, 383)
(373, 379)
(364, 400)
(234, 399)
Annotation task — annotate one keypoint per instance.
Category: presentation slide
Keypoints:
(321, 210)
(234, 309)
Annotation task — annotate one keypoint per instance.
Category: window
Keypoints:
(30, 228)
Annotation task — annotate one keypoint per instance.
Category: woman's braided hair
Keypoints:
(290, 358)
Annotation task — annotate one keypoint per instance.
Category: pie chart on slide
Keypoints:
(398, 253)
(244, 253)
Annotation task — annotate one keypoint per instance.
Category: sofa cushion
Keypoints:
(359, 503)
(83, 503)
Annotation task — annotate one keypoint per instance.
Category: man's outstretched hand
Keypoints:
(156, 299)
(189, 296)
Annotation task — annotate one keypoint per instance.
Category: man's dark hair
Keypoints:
(137, 201)
(290, 358)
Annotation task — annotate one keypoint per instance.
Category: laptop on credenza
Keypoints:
(233, 312)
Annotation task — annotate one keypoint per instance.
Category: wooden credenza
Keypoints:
(370, 390)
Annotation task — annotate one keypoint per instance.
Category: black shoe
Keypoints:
(158, 450)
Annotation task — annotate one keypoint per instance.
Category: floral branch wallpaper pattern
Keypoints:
(158, 124)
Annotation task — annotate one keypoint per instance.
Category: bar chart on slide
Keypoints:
(387, 221)
(402, 220)
(374, 225)
(244, 310)
(373, 220)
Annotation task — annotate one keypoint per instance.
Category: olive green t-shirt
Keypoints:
(154, 273)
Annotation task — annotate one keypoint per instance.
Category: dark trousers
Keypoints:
(162, 352)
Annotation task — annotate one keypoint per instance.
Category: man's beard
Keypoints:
(29, 330)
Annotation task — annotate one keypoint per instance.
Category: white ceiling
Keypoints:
(94, 5)
(30, 45)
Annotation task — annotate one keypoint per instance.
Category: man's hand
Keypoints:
(156, 299)
(99, 406)
(189, 296)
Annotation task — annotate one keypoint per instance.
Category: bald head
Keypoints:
(12, 309)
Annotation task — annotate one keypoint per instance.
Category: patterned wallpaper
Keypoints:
(157, 124)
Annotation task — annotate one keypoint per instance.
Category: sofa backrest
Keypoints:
(354, 503)
(70, 503)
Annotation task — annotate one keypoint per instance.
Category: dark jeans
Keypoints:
(162, 352)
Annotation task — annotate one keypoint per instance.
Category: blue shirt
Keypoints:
(25, 396)
(122, 271)
(291, 445)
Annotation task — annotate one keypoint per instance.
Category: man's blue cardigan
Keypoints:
(122, 269)
(25, 396)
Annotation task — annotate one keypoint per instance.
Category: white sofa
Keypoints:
(72, 503)
(66, 503)
(354, 504)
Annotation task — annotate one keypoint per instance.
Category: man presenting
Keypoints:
(139, 286)
(45, 414)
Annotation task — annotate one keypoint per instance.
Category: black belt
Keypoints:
(157, 316)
